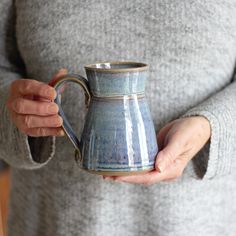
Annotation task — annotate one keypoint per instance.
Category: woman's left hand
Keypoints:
(179, 142)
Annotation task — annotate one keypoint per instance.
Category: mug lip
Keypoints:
(140, 66)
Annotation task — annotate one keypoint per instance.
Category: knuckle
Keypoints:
(189, 144)
(42, 88)
(33, 132)
(58, 121)
(27, 85)
(18, 105)
(42, 132)
(28, 121)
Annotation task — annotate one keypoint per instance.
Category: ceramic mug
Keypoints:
(118, 137)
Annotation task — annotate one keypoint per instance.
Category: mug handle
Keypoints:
(83, 82)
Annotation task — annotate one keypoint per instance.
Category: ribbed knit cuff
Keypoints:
(221, 143)
(16, 148)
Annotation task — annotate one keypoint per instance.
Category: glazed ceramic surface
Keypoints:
(118, 136)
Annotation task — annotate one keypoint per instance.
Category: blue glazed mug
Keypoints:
(118, 137)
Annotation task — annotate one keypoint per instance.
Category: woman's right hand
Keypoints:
(32, 109)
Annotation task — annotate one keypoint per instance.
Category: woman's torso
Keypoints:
(190, 47)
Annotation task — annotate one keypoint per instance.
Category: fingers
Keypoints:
(146, 179)
(42, 132)
(161, 137)
(24, 87)
(175, 140)
(32, 111)
(172, 172)
(167, 164)
(31, 121)
(37, 126)
(182, 139)
(24, 106)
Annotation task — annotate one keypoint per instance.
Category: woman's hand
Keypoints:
(32, 109)
(179, 140)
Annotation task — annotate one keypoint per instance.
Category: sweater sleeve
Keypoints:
(220, 110)
(16, 148)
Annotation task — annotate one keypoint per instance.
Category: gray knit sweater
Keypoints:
(191, 49)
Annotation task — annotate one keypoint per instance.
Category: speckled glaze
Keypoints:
(118, 136)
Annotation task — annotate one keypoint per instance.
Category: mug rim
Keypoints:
(140, 66)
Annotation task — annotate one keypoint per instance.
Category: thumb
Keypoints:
(162, 135)
(168, 155)
(55, 78)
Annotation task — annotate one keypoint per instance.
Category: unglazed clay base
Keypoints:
(118, 173)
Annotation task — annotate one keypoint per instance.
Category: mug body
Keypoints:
(118, 136)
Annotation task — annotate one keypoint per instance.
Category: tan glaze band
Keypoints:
(118, 173)
(139, 66)
(132, 96)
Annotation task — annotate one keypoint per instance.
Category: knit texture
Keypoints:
(190, 47)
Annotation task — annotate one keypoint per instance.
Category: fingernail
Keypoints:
(161, 166)
(158, 169)
(52, 109)
(160, 163)
(50, 92)
(54, 94)
(61, 121)
(61, 133)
